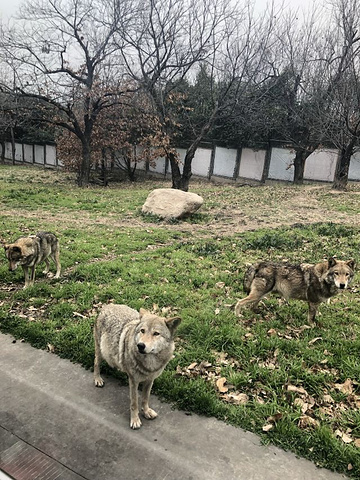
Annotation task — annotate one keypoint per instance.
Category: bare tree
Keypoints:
(345, 94)
(172, 38)
(63, 53)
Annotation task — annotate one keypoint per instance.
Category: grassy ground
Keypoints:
(295, 384)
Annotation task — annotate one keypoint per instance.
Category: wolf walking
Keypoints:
(28, 252)
(311, 283)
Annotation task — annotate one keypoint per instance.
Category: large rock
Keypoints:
(170, 203)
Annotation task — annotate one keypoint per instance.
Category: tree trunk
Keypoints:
(84, 170)
(3, 147)
(104, 167)
(175, 171)
(301, 156)
(184, 180)
(12, 145)
(343, 164)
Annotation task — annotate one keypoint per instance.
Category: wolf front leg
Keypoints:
(56, 258)
(99, 382)
(27, 278)
(148, 412)
(313, 308)
(135, 421)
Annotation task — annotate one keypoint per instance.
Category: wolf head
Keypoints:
(340, 273)
(154, 334)
(14, 254)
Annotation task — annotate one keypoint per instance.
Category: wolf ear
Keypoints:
(143, 312)
(6, 246)
(351, 264)
(331, 262)
(173, 323)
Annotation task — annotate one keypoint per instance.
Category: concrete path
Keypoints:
(55, 425)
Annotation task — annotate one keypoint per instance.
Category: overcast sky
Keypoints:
(9, 7)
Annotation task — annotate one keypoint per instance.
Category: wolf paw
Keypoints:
(150, 414)
(135, 423)
(99, 382)
(237, 310)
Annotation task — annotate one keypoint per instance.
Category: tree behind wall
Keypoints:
(221, 35)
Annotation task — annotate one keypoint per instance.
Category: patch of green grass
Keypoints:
(109, 252)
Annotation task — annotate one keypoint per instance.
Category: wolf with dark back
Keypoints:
(28, 252)
(312, 283)
(139, 344)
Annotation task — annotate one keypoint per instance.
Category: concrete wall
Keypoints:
(33, 154)
(321, 165)
(224, 162)
(281, 164)
(252, 163)
(228, 163)
(354, 170)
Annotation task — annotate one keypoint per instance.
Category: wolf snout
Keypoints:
(342, 286)
(141, 347)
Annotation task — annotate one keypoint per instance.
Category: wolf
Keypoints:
(313, 283)
(137, 343)
(29, 251)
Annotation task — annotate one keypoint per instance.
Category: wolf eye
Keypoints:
(142, 330)
(156, 334)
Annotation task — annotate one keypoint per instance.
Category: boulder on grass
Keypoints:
(169, 203)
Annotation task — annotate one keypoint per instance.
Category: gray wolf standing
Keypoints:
(311, 283)
(29, 251)
(139, 344)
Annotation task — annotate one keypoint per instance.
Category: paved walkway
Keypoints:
(55, 425)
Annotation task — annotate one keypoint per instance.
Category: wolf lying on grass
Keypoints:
(139, 344)
(312, 283)
(29, 251)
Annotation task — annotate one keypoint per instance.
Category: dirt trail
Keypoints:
(243, 209)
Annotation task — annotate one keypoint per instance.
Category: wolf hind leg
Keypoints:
(259, 288)
(148, 412)
(313, 308)
(47, 268)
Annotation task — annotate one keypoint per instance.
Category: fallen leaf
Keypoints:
(293, 388)
(344, 437)
(268, 427)
(220, 284)
(314, 340)
(236, 398)
(50, 348)
(271, 332)
(275, 418)
(220, 385)
(192, 366)
(357, 442)
(328, 399)
(307, 422)
(303, 405)
(346, 387)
